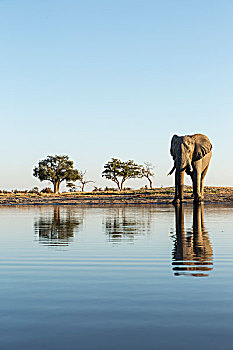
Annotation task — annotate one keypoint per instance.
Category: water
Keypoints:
(116, 278)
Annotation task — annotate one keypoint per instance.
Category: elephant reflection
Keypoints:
(122, 224)
(192, 253)
(58, 228)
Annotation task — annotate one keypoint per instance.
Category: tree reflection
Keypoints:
(57, 228)
(192, 253)
(122, 224)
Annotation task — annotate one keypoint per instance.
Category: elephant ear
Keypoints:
(203, 146)
(173, 146)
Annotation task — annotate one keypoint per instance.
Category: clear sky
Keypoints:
(101, 79)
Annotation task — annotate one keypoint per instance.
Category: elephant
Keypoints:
(191, 154)
(193, 252)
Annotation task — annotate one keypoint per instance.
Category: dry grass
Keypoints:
(222, 195)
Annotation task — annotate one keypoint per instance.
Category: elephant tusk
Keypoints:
(171, 171)
(189, 170)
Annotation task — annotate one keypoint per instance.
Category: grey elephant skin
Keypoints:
(191, 155)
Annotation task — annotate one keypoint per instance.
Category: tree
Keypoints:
(58, 229)
(147, 171)
(56, 169)
(83, 180)
(71, 186)
(119, 171)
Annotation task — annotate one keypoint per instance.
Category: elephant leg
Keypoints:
(202, 180)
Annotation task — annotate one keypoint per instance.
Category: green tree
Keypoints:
(71, 186)
(119, 171)
(56, 169)
(147, 171)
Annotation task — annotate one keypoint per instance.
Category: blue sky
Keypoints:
(102, 79)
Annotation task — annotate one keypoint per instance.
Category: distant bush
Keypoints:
(16, 191)
(34, 190)
(96, 189)
(46, 190)
(110, 189)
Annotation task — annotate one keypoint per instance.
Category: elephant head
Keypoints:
(185, 151)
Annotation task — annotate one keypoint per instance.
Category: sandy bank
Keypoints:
(213, 195)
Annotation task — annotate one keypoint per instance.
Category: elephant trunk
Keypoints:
(182, 164)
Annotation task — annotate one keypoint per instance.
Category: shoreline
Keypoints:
(157, 196)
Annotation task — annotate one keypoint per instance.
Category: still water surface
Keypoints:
(116, 278)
